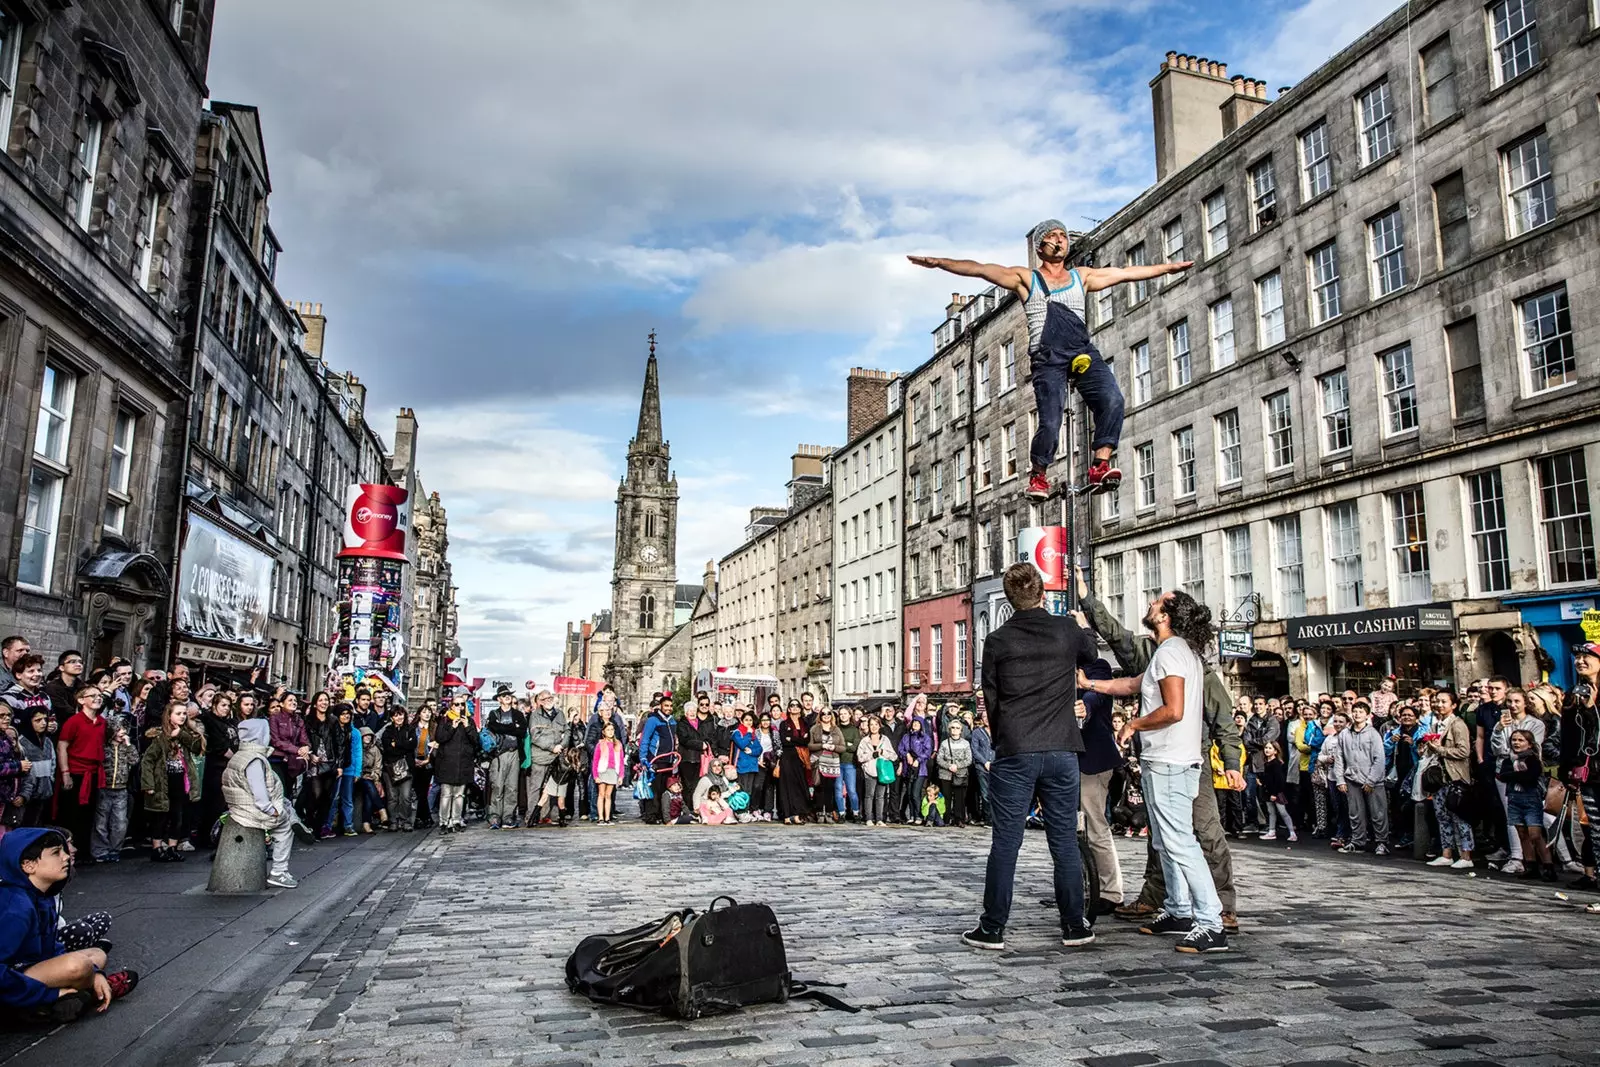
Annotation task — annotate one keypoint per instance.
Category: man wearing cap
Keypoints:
(1579, 767)
(509, 727)
(1059, 350)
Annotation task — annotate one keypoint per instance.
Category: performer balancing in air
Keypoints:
(1059, 349)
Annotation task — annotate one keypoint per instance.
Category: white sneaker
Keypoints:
(1512, 867)
(184, 846)
(1440, 861)
(283, 881)
(1572, 867)
(1461, 865)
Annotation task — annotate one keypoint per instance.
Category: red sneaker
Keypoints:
(122, 983)
(1038, 487)
(1103, 477)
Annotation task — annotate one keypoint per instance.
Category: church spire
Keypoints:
(649, 432)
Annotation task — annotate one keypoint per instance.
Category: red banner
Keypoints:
(575, 687)
(375, 522)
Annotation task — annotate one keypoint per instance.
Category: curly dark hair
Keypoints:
(1191, 620)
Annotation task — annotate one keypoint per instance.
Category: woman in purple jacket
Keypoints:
(916, 749)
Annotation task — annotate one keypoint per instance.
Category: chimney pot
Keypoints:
(1222, 70)
(1172, 59)
(1238, 83)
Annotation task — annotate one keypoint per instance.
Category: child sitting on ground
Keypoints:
(713, 810)
(678, 811)
(932, 806)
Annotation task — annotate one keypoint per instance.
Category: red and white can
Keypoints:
(1046, 548)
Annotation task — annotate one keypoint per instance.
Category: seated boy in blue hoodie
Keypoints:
(40, 979)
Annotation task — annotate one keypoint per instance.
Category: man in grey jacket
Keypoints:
(1134, 653)
(547, 730)
(1358, 771)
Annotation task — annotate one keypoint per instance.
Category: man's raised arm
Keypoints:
(1097, 278)
(1014, 278)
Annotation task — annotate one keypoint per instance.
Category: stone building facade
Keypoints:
(747, 598)
(868, 491)
(99, 107)
(430, 591)
(805, 579)
(1372, 403)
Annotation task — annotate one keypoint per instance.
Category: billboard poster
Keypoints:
(370, 595)
(224, 586)
(376, 519)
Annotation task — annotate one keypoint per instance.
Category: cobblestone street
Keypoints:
(456, 958)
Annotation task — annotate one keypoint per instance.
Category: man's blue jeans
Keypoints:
(844, 789)
(1013, 782)
(1169, 793)
(1101, 395)
(343, 806)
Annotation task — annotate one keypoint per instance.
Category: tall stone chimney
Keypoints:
(866, 399)
(316, 325)
(1187, 98)
(1249, 99)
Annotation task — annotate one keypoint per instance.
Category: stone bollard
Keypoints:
(240, 865)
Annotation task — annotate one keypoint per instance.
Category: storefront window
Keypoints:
(1415, 664)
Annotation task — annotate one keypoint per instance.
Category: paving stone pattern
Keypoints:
(457, 959)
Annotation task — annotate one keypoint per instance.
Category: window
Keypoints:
(1450, 216)
(1144, 469)
(1112, 585)
(1111, 505)
(1322, 269)
(88, 168)
(120, 473)
(936, 568)
(961, 476)
(1241, 580)
(1530, 190)
(916, 498)
(961, 558)
(1408, 544)
(1263, 195)
(1178, 353)
(1220, 316)
(1466, 375)
(10, 56)
(1008, 442)
(1486, 507)
(1216, 218)
(1316, 166)
(1386, 246)
(1288, 567)
(1141, 372)
(1136, 258)
(1269, 309)
(914, 577)
(151, 207)
(1377, 124)
(985, 474)
(936, 390)
(1399, 391)
(1565, 519)
(914, 651)
(938, 489)
(1546, 341)
(980, 386)
(1334, 388)
(1008, 534)
(1105, 306)
(1183, 461)
(649, 524)
(1280, 431)
(1438, 81)
(1008, 365)
(1344, 555)
(647, 612)
(1230, 462)
(1172, 243)
(1514, 33)
(985, 546)
(1149, 574)
(55, 415)
(1191, 569)
(958, 388)
(961, 651)
(39, 521)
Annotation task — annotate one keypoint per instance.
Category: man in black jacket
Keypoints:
(509, 727)
(1030, 692)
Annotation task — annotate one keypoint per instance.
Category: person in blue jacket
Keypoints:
(658, 744)
(41, 980)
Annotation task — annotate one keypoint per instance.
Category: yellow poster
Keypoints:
(1591, 626)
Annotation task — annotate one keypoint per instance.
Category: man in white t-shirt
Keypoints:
(1171, 697)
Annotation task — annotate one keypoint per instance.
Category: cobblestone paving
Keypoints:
(457, 959)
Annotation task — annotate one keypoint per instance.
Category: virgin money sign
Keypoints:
(568, 686)
(376, 518)
(1046, 548)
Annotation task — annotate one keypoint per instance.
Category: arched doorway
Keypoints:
(1497, 654)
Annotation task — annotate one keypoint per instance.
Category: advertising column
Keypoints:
(372, 610)
(1047, 548)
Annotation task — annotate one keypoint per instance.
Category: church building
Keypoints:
(650, 647)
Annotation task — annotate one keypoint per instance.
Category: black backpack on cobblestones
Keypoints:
(690, 964)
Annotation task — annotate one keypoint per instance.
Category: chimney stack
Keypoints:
(866, 399)
(1195, 104)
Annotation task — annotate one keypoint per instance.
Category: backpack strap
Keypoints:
(804, 991)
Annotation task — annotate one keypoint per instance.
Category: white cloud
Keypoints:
(1311, 35)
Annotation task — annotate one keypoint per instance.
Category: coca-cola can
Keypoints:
(1046, 548)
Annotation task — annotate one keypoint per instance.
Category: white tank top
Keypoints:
(1040, 296)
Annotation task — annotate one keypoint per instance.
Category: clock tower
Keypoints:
(644, 573)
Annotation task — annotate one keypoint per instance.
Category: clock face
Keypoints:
(649, 553)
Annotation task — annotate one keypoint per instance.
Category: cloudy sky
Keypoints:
(495, 208)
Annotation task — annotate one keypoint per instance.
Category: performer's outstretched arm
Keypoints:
(1097, 278)
(1014, 278)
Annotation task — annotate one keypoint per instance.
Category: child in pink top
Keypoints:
(714, 811)
(606, 769)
